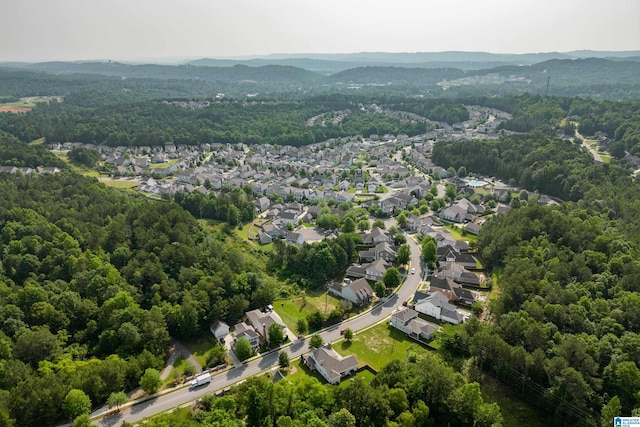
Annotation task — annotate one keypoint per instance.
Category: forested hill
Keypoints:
(236, 73)
(386, 75)
(93, 282)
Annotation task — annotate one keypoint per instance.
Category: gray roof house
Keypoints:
(407, 321)
(358, 292)
(330, 364)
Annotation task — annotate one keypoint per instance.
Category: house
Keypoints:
(448, 253)
(454, 213)
(458, 273)
(407, 321)
(385, 251)
(264, 238)
(465, 296)
(247, 331)
(273, 230)
(358, 292)
(220, 330)
(375, 270)
(437, 306)
(377, 235)
(330, 364)
(261, 320)
(262, 204)
(294, 239)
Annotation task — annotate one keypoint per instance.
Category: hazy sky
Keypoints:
(39, 30)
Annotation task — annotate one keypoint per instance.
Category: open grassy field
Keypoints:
(124, 184)
(290, 310)
(378, 345)
(163, 165)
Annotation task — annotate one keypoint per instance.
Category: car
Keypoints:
(413, 271)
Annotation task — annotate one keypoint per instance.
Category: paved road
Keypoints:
(296, 349)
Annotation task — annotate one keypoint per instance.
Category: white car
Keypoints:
(413, 271)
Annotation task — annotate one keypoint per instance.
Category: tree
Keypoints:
(82, 421)
(316, 341)
(150, 380)
(276, 335)
(315, 320)
(402, 219)
(283, 359)
(342, 418)
(349, 225)
(404, 254)
(380, 289)
(379, 223)
(450, 191)
(117, 399)
(611, 410)
(364, 225)
(243, 348)
(189, 370)
(348, 334)
(429, 250)
(301, 326)
(462, 171)
(392, 278)
(76, 403)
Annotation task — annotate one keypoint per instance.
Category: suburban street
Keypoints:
(254, 367)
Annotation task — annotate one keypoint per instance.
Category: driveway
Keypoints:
(178, 349)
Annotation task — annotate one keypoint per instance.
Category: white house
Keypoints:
(330, 364)
(407, 321)
(219, 329)
(437, 305)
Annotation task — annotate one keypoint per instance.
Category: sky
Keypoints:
(45, 30)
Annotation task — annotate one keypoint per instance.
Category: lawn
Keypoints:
(118, 183)
(379, 345)
(457, 234)
(199, 347)
(290, 310)
(163, 165)
(301, 371)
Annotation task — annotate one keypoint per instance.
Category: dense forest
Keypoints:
(94, 283)
(566, 327)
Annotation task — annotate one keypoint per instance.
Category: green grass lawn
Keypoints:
(200, 347)
(457, 234)
(300, 371)
(290, 310)
(163, 165)
(379, 345)
(118, 183)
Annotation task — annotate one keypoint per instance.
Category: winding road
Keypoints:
(181, 396)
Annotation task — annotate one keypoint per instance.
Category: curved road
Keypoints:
(227, 378)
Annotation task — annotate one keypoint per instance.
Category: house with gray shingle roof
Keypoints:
(407, 320)
(330, 364)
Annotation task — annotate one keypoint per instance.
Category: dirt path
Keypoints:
(178, 349)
